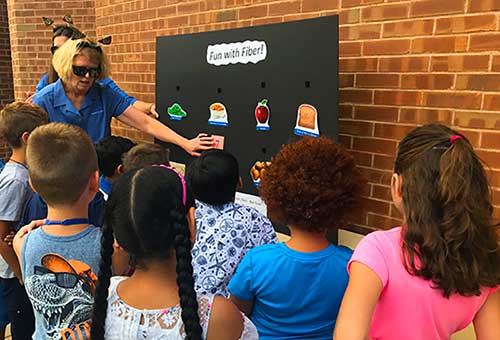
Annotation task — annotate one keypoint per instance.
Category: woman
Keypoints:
(61, 34)
(76, 98)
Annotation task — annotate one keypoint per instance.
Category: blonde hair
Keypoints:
(66, 54)
(61, 160)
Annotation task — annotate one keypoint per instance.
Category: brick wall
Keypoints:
(30, 39)
(402, 63)
(6, 83)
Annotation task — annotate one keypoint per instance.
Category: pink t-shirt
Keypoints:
(408, 307)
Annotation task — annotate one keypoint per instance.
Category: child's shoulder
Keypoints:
(265, 250)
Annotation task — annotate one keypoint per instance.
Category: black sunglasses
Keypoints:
(63, 280)
(53, 49)
(81, 71)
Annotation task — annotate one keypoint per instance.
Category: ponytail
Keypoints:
(185, 281)
(449, 237)
(101, 294)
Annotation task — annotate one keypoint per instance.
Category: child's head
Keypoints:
(312, 185)
(62, 164)
(441, 187)
(110, 151)
(150, 213)
(18, 119)
(214, 177)
(143, 155)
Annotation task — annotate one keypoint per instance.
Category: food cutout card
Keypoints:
(262, 115)
(258, 170)
(218, 142)
(307, 121)
(218, 115)
(176, 112)
(179, 167)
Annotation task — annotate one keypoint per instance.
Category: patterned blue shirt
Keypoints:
(224, 234)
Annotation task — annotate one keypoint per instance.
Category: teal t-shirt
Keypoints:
(296, 295)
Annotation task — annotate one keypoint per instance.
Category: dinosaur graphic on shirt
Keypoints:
(62, 291)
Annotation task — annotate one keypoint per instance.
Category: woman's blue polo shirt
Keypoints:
(94, 116)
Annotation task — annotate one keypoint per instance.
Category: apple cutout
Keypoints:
(262, 114)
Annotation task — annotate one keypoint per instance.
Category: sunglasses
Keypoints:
(81, 71)
(53, 49)
(63, 280)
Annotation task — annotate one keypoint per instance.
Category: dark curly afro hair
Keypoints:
(313, 185)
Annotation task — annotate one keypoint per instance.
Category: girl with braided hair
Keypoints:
(150, 215)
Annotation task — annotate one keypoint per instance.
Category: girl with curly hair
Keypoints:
(293, 290)
(150, 215)
(440, 271)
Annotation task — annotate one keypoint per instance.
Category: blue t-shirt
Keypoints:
(59, 274)
(36, 209)
(296, 295)
(106, 81)
(94, 116)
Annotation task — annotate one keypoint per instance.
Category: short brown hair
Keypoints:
(143, 155)
(61, 159)
(19, 117)
(312, 184)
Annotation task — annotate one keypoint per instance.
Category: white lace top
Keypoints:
(128, 323)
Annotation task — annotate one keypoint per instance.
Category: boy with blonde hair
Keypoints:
(60, 260)
(17, 121)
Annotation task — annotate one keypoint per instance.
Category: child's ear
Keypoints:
(94, 181)
(240, 183)
(119, 170)
(397, 191)
(31, 185)
(191, 224)
(24, 137)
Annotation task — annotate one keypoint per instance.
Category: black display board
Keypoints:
(301, 67)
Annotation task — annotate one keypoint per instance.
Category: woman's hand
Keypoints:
(199, 143)
(29, 227)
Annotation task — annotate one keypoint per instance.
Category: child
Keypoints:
(17, 121)
(150, 214)
(440, 270)
(58, 260)
(225, 231)
(143, 155)
(110, 151)
(294, 290)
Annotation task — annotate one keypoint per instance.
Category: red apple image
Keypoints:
(262, 112)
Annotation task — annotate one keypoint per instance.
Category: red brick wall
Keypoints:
(31, 39)
(402, 63)
(6, 83)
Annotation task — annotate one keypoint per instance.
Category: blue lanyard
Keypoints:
(71, 221)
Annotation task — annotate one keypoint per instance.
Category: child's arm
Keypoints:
(487, 320)
(360, 299)
(6, 251)
(226, 322)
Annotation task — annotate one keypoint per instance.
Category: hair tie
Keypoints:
(183, 181)
(454, 138)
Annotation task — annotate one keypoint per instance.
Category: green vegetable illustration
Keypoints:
(176, 110)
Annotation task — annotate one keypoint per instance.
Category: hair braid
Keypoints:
(185, 281)
(101, 294)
